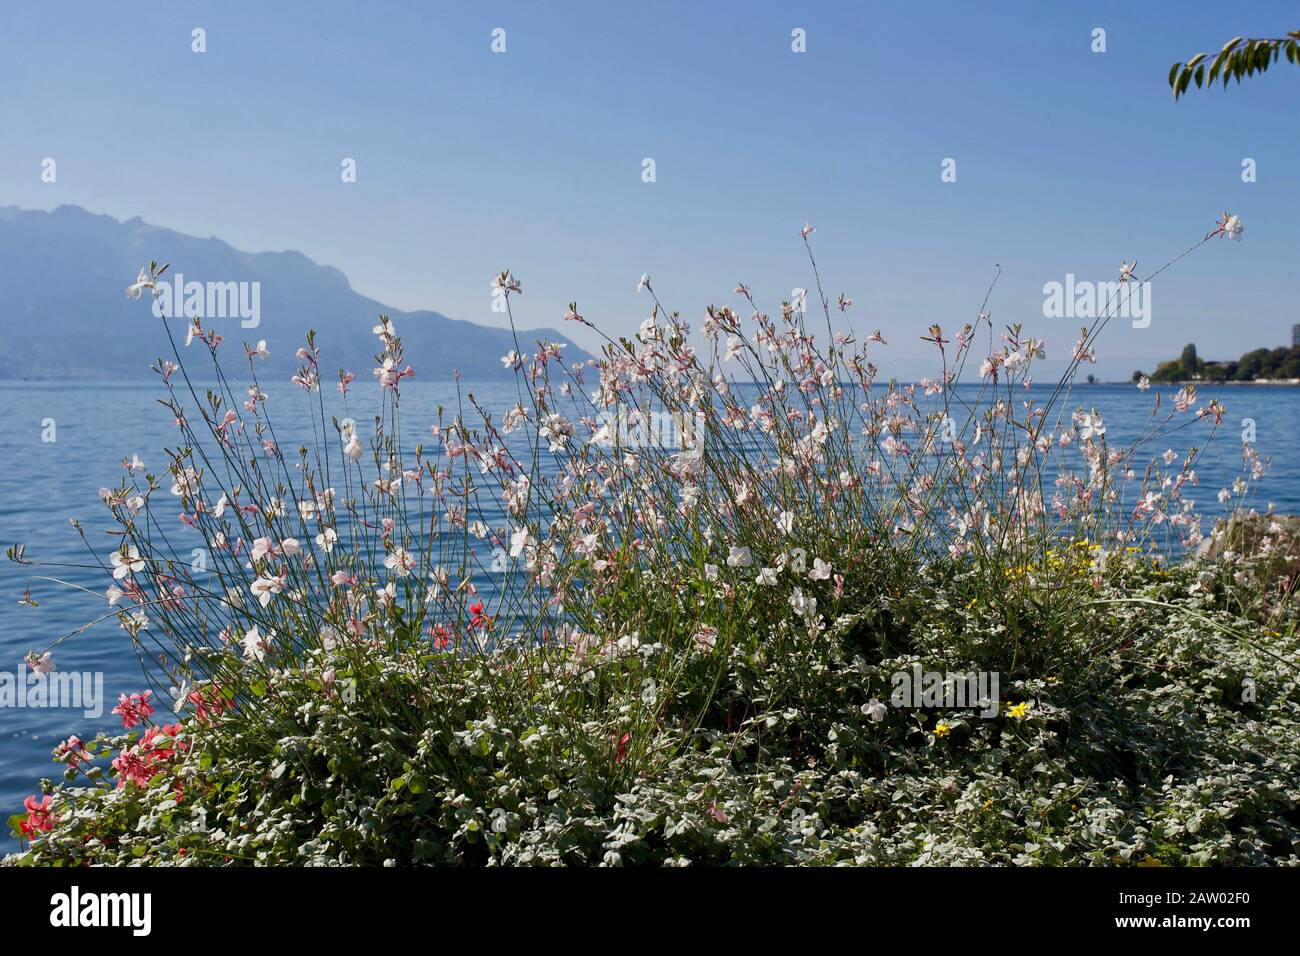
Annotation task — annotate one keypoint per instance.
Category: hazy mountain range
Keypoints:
(64, 313)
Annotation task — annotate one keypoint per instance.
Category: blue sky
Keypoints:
(470, 162)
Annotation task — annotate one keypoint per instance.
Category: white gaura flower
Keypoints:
(400, 562)
(739, 558)
(705, 637)
(514, 418)
(135, 464)
(711, 572)
(114, 594)
(261, 548)
(511, 359)
(643, 283)
(220, 507)
(785, 522)
(266, 587)
(805, 605)
(1090, 425)
(766, 577)
(520, 541)
(1126, 270)
(186, 482)
(1232, 227)
(126, 563)
(327, 539)
(821, 571)
(255, 644)
(290, 546)
(142, 281)
(1144, 383)
(354, 449)
(557, 430)
(875, 710)
(260, 351)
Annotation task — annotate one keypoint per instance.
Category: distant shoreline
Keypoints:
(1272, 382)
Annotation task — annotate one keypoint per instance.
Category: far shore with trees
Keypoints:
(1276, 366)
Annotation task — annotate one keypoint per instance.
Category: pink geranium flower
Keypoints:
(39, 820)
(134, 709)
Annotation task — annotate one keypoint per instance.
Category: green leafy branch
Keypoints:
(1239, 57)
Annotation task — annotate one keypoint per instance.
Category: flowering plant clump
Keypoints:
(544, 638)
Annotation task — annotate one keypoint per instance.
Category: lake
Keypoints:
(45, 483)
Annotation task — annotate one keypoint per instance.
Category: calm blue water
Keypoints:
(44, 484)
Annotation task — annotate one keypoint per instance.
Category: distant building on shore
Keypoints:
(1295, 336)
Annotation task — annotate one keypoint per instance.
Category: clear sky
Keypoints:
(469, 161)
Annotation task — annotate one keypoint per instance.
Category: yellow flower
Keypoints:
(1019, 711)
(972, 602)
(941, 729)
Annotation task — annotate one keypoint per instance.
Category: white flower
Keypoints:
(767, 577)
(644, 283)
(354, 449)
(875, 710)
(261, 350)
(255, 644)
(519, 542)
(821, 571)
(785, 522)
(1232, 227)
(1126, 270)
(261, 548)
(126, 564)
(711, 572)
(705, 637)
(266, 587)
(739, 558)
(400, 562)
(142, 281)
(557, 430)
(1144, 383)
(1090, 425)
(327, 539)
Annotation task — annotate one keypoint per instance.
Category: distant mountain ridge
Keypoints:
(64, 313)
